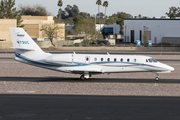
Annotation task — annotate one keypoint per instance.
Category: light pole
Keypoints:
(125, 33)
(95, 25)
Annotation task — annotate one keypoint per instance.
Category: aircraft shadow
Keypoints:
(103, 80)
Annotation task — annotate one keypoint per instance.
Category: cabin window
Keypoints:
(115, 59)
(121, 60)
(108, 59)
(102, 59)
(128, 60)
(87, 59)
(134, 60)
(95, 59)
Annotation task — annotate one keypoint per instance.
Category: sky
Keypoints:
(150, 8)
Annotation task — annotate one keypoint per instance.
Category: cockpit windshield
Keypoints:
(152, 60)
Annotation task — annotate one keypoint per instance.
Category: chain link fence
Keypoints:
(122, 48)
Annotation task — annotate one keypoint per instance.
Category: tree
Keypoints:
(86, 27)
(85, 15)
(60, 3)
(34, 10)
(8, 11)
(78, 19)
(50, 31)
(100, 15)
(98, 3)
(146, 37)
(72, 10)
(105, 4)
(173, 12)
(68, 32)
(121, 16)
(64, 15)
(111, 20)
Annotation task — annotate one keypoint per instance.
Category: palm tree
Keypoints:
(105, 4)
(60, 4)
(98, 3)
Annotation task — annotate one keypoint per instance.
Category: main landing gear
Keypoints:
(85, 76)
(157, 78)
(82, 78)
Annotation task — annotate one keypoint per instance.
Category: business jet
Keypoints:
(27, 51)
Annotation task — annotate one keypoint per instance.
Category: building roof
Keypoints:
(150, 19)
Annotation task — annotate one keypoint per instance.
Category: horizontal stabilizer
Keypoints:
(23, 48)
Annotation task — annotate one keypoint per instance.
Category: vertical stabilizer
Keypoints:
(23, 44)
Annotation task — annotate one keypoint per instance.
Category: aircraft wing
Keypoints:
(83, 71)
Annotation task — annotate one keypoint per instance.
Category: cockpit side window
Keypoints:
(152, 60)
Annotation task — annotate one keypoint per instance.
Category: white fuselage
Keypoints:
(96, 63)
(27, 51)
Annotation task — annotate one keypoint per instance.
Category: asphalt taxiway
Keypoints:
(62, 107)
(90, 80)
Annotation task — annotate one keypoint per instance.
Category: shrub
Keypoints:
(102, 44)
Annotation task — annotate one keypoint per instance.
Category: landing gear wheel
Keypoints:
(82, 78)
(157, 78)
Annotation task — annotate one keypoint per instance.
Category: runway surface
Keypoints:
(90, 80)
(58, 107)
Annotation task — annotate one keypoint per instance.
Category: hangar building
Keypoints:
(5, 38)
(160, 30)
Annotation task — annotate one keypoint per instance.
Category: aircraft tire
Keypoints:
(157, 78)
(82, 78)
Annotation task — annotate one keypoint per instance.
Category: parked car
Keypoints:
(105, 42)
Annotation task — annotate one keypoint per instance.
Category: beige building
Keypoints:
(5, 38)
(33, 26)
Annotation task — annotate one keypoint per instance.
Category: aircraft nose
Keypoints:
(171, 68)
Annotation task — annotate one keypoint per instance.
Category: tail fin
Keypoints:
(23, 43)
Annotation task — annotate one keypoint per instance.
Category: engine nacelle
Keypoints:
(60, 59)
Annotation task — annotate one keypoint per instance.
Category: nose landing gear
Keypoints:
(157, 78)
